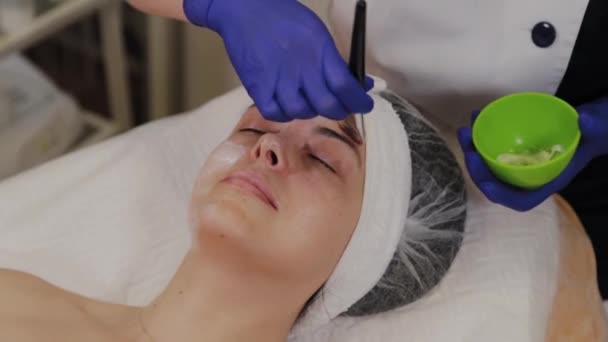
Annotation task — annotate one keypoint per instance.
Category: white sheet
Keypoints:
(110, 222)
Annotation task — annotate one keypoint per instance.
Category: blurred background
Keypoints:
(77, 72)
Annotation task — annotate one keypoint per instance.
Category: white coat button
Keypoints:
(543, 34)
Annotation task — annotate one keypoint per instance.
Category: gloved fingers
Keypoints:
(343, 84)
(594, 130)
(369, 83)
(465, 138)
(593, 123)
(587, 125)
(495, 190)
(321, 98)
(594, 107)
(478, 170)
(512, 197)
(522, 199)
(196, 11)
(269, 108)
(474, 116)
(291, 99)
(259, 81)
(261, 87)
(295, 105)
(272, 111)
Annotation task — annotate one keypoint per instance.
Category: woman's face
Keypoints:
(281, 199)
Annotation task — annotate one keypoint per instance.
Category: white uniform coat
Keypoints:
(450, 57)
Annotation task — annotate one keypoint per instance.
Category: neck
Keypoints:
(207, 302)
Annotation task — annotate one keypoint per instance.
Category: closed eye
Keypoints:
(317, 159)
(312, 156)
(252, 130)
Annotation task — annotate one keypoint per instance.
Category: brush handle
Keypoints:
(357, 48)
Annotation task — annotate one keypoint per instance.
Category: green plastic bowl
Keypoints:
(526, 122)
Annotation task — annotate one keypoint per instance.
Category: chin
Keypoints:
(226, 236)
(226, 215)
(235, 230)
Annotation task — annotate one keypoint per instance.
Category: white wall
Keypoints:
(318, 6)
(207, 70)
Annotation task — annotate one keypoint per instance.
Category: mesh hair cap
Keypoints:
(411, 224)
(432, 233)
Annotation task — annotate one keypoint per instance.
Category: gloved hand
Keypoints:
(593, 123)
(285, 58)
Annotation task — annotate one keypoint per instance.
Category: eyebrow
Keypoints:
(330, 133)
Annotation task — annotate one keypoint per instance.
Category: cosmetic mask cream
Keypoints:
(221, 159)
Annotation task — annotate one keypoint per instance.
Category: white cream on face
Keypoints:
(221, 159)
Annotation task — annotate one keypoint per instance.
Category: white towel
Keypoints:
(383, 215)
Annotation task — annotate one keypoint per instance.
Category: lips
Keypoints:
(254, 184)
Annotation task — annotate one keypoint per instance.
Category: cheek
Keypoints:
(218, 164)
(322, 223)
(324, 199)
(223, 158)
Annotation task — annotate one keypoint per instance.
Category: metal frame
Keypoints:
(163, 67)
(110, 21)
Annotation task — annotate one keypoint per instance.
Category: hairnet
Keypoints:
(432, 233)
(411, 222)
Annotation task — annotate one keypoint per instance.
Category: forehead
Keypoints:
(252, 118)
(349, 125)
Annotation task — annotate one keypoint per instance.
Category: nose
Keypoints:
(270, 151)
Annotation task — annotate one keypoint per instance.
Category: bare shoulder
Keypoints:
(8, 276)
(34, 310)
(24, 297)
(22, 294)
(14, 285)
(12, 282)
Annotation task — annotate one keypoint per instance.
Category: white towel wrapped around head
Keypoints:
(411, 221)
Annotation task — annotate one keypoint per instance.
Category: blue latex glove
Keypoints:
(593, 123)
(285, 58)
